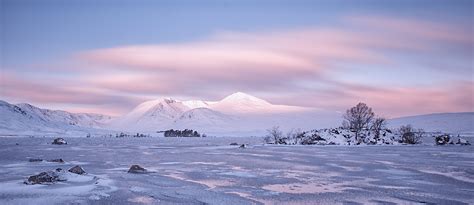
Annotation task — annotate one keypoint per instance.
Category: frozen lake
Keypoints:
(210, 171)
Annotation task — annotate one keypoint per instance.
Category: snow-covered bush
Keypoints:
(294, 136)
(409, 135)
(275, 136)
(378, 125)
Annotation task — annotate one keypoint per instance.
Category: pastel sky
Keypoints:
(403, 57)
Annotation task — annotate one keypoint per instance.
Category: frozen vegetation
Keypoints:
(211, 171)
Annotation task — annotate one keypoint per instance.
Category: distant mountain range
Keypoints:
(237, 114)
(26, 119)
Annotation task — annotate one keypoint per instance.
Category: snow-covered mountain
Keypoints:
(238, 114)
(27, 119)
(242, 104)
(457, 123)
(200, 118)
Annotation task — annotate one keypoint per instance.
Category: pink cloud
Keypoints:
(414, 28)
(274, 62)
(59, 92)
(394, 102)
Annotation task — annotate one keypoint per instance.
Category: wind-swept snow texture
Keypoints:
(210, 171)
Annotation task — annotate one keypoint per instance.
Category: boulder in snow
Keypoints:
(56, 160)
(137, 169)
(77, 170)
(234, 144)
(59, 141)
(35, 160)
(463, 142)
(442, 139)
(48, 177)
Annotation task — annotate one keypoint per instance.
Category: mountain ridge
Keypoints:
(236, 113)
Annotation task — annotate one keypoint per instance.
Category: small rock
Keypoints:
(56, 160)
(234, 144)
(442, 139)
(463, 142)
(136, 169)
(59, 141)
(35, 160)
(77, 170)
(17, 144)
(243, 146)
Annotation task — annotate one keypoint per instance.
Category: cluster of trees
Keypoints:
(360, 120)
(276, 136)
(361, 117)
(182, 133)
(120, 135)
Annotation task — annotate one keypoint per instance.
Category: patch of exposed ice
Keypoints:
(460, 176)
(239, 174)
(143, 200)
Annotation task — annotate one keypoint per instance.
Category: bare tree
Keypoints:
(378, 125)
(295, 136)
(410, 135)
(358, 118)
(274, 135)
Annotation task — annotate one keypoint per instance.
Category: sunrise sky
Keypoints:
(401, 57)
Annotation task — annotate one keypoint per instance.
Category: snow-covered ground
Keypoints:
(210, 171)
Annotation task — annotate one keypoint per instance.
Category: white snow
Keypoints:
(238, 114)
(208, 170)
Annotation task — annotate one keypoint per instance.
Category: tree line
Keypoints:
(182, 133)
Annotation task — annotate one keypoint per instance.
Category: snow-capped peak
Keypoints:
(243, 97)
(192, 104)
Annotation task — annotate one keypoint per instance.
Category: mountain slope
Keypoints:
(151, 116)
(240, 104)
(25, 119)
(456, 123)
(205, 120)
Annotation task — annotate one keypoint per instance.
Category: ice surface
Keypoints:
(209, 171)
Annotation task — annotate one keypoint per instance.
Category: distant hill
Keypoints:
(26, 119)
(462, 122)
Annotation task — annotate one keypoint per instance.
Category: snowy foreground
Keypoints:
(210, 171)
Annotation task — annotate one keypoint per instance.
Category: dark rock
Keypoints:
(56, 160)
(45, 178)
(77, 170)
(442, 139)
(234, 144)
(35, 160)
(313, 139)
(59, 141)
(17, 144)
(243, 146)
(137, 169)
